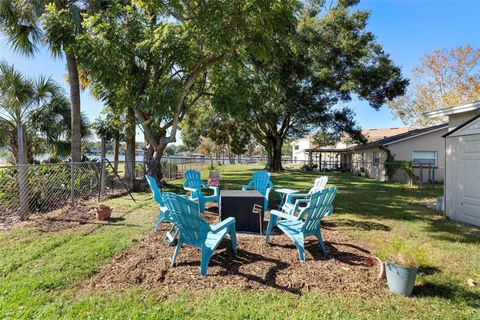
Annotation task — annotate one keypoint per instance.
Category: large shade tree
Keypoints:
(327, 59)
(156, 55)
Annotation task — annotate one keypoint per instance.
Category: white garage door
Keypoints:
(467, 179)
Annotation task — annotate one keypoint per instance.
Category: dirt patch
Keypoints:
(69, 218)
(350, 268)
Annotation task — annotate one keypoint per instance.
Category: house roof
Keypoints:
(453, 110)
(461, 126)
(381, 133)
(401, 137)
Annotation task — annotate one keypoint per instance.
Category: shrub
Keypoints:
(404, 252)
(309, 167)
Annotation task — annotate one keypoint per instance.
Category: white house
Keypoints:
(301, 147)
(462, 162)
(423, 147)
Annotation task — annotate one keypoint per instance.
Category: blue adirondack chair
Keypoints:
(307, 223)
(194, 184)
(197, 232)
(294, 201)
(163, 215)
(261, 182)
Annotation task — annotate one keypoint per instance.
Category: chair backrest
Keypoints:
(321, 205)
(319, 184)
(261, 181)
(184, 214)
(157, 194)
(192, 179)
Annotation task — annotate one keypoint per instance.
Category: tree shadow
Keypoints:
(312, 246)
(428, 270)
(355, 224)
(230, 264)
(450, 291)
(448, 230)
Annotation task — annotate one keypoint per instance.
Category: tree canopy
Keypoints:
(326, 58)
(155, 56)
(40, 107)
(442, 79)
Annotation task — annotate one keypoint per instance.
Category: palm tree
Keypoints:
(34, 115)
(29, 23)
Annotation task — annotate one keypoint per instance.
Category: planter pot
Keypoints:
(400, 279)
(103, 212)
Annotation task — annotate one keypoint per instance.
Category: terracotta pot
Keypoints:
(103, 212)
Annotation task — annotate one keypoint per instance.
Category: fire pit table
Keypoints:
(240, 204)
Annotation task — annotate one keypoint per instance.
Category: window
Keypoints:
(296, 147)
(424, 158)
(376, 158)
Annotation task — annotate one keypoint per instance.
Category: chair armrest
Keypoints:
(216, 190)
(267, 193)
(248, 186)
(222, 225)
(190, 189)
(298, 202)
(283, 215)
(293, 196)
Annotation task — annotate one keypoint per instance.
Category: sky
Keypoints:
(407, 29)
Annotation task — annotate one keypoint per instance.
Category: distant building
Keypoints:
(423, 147)
(301, 148)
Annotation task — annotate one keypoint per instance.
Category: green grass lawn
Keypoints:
(40, 272)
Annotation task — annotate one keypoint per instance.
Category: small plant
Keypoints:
(363, 172)
(103, 212)
(309, 167)
(402, 260)
(405, 253)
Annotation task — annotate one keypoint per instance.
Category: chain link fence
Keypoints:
(41, 188)
(27, 189)
(36, 189)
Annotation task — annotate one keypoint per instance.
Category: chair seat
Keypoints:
(283, 215)
(212, 198)
(291, 227)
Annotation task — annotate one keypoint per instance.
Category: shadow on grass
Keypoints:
(455, 292)
(447, 230)
(356, 224)
(428, 270)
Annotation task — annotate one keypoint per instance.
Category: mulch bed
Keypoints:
(350, 268)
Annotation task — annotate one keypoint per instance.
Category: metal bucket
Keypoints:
(400, 279)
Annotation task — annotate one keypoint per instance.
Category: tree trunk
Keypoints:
(153, 158)
(74, 83)
(231, 157)
(116, 150)
(103, 154)
(129, 173)
(22, 173)
(274, 155)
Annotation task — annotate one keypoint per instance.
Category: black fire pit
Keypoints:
(245, 206)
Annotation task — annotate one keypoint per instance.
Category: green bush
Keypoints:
(404, 252)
